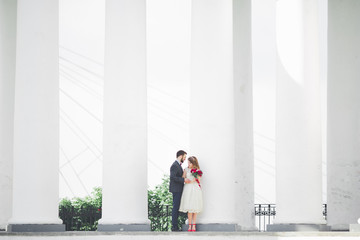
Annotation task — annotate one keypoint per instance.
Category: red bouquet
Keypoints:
(196, 173)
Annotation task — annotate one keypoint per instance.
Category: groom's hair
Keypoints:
(180, 153)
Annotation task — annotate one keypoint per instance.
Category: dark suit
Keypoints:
(176, 188)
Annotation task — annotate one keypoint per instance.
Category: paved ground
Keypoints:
(182, 236)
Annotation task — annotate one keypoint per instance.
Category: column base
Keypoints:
(123, 227)
(354, 228)
(216, 227)
(297, 227)
(36, 228)
(340, 227)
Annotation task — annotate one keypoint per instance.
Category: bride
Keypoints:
(191, 199)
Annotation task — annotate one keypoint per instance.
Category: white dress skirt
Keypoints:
(191, 199)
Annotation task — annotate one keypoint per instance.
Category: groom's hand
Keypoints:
(187, 180)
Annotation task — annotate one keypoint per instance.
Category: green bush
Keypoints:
(82, 214)
(160, 206)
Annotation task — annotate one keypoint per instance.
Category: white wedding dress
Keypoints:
(191, 199)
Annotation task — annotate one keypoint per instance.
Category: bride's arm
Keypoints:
(198, 178)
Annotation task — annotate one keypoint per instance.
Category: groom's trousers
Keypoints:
(175, 210)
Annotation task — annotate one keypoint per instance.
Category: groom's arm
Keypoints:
(173, 176)
(184, 174)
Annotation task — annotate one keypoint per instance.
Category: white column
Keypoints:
(343, 113)
(212, 114)
(244, 155)
(125, 118)
(36, 119)
(298, 117)
(7, 82)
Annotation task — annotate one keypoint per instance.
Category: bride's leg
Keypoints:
(189, 219)
(194, 215)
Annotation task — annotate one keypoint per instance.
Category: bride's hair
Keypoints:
(194, 161)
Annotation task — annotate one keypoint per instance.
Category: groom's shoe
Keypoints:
(175, 230)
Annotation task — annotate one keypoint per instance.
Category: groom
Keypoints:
(176, 186)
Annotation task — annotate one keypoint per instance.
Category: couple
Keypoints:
(186, 190)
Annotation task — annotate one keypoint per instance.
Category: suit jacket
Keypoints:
(176, 179)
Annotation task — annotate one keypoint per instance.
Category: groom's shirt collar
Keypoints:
(178, 162)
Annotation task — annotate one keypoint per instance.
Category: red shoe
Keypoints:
(194, 226)
(190, 230)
